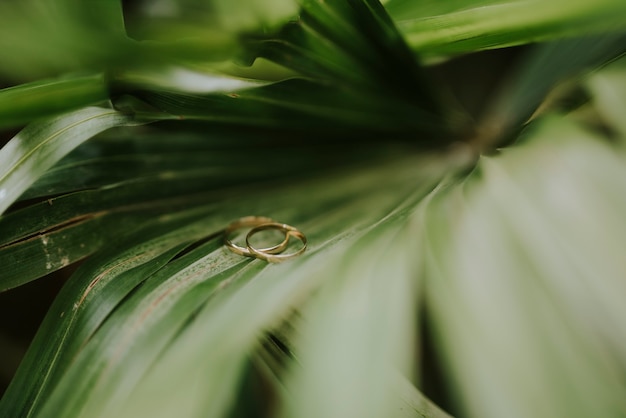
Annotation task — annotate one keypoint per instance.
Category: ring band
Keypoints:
(272, 257)
(253, 221)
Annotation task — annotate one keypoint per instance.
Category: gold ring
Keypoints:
(252, 221)
(289, 231)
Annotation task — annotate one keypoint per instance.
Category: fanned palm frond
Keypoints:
(422, 231)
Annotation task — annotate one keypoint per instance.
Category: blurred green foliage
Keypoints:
(457, 167)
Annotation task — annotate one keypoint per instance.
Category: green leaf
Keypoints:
(459, 27)
(246, 15)
(609, 95)
(351, 48)
(524, 273)
(24, 103)
(36, 254)
(540, 71)
(154, 157)
(73, 36)
(516, 264)
(166, 317)
(57, 232)
(115, 183)
(297, 104)
(414, 403)
(41, 39)
(95, 290)
(278, 352)
(40, 145)
(356, 330)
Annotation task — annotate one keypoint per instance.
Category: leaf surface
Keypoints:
(40, 145)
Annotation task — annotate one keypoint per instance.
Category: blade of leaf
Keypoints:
(58, 232)
(93, 292)
(64, 229)
(24, 103)
(40, 145)
(277, 353)
(113, 383)
(145, 325)
(247, 15)
(70, 36)
(299, 104)
(223, 158)
(414, 403)
(482, 25)
(540, 72)
(609, 95)
(74, 36)
(354, 46)
(523, 265)
(358, 328)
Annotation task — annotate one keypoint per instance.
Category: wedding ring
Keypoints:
(273, 257)
(253, 221)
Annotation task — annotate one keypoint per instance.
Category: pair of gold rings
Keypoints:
(273, 254)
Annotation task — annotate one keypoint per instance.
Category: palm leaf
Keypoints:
(24, 103)
(542, 71)
(173, 288)
(41, 145)
(520, 265)
(512, 260)
(73, 37)
(440, 28)
(608, 89)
